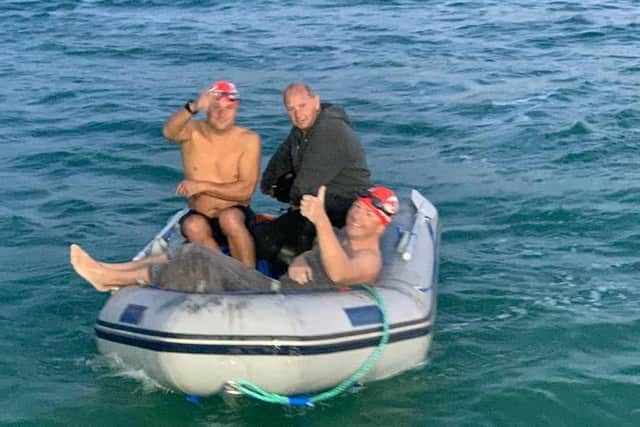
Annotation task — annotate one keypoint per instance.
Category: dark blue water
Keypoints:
(519, 120)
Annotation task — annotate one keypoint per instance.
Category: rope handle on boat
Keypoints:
(252, 390)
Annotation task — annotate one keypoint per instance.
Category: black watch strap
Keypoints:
(187, 107)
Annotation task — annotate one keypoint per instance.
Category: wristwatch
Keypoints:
(188, 107)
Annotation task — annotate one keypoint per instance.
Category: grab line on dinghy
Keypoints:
(250, 389)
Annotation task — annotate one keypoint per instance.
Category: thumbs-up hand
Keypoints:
(312, 207)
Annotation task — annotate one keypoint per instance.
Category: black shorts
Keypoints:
(218, 235)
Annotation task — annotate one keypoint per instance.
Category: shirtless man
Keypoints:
(354, 258)
(221, 163)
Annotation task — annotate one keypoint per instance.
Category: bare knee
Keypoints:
(196, 228)
(232, 222)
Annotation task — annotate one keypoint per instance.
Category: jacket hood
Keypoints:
(335, 112)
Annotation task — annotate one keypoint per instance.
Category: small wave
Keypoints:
(66, 208)
(118, 369)
(581, 156)
(38, 161)
(57, 97)
(628, 118)
(576, 20)
(143, 172)
(577, 129)
(589, 35)
(15, 226)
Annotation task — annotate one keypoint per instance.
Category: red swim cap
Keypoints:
(224, 88)
(382, 201)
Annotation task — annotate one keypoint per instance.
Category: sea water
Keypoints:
(519, 120)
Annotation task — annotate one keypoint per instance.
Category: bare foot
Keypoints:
(88, 268)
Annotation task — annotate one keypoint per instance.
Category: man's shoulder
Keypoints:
(334, 119)
(334, 113)
(245, 131)
(246, 135)
(336, 130)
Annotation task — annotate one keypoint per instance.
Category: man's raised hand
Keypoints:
(312, 207)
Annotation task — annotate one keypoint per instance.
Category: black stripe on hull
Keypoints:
(258, 349)
(163, 334)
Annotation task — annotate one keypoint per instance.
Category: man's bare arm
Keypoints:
(179, 126)
(343, 269)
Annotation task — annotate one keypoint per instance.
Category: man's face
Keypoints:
(222, 113)
(362, 222)
(302, 108)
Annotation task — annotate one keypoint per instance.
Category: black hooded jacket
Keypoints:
(329, 154)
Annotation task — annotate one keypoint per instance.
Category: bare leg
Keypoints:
(241, 244)
(100, 276)
(131, 265)
(197, 230)
(242, 248)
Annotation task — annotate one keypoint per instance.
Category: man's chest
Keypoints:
(219, 160)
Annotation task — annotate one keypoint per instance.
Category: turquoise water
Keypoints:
(519, 120)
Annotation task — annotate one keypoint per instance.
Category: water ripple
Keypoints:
(518, 119)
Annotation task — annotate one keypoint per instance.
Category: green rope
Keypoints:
(252, 390)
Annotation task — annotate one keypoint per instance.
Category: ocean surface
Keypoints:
(519, 120)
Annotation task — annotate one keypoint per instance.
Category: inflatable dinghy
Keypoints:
(288, 343)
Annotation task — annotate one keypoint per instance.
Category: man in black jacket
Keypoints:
(321, 149)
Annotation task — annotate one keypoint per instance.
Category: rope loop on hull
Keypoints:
(249, 389)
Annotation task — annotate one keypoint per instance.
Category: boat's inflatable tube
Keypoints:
(289, 343)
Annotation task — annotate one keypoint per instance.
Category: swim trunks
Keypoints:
(214, 223)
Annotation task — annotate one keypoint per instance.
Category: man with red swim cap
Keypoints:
(221, 164)
(356, 258)
(352, 259)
